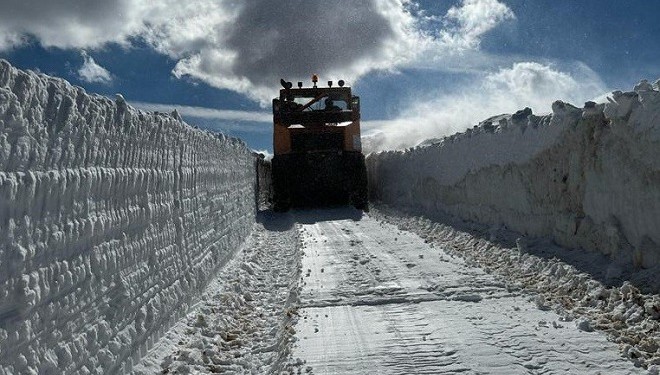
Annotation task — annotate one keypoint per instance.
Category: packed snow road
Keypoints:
(377, 300)
(339, 292)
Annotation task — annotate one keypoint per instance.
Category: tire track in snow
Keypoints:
(375, 299)
(583, 287)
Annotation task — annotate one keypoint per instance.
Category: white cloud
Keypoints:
(342, 39)
(247, 46)
(474, 18)
(92, 72)
(292, 39)
(525, 84)
(10, 39)
(535, 83)
(71, 23)
(207, 113)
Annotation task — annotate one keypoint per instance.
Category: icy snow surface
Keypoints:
(379, 300)
(587, 178)
(112, 221)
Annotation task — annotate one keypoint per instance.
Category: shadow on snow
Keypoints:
(276, 221)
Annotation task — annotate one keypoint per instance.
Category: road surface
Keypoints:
(339, 292)
(376, 300)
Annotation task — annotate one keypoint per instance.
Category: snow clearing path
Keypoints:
(339, 292)
(378, 300)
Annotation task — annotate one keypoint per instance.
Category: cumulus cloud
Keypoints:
(10, 39)
(92, 72)
(342, 39)
(247, 46)
(70, 23)
(295, 38)
(524, 84)
(208, 113)
(534, 83)
(466, 24)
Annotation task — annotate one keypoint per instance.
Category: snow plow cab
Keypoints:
(318, 158)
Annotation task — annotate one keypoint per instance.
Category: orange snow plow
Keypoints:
(318, 158)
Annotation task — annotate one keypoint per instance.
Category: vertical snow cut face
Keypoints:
(112, 220)
(588, 178)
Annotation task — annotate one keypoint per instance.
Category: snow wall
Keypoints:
(112, 221)
(588, 178)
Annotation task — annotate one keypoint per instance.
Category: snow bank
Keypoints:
(112, 221)
(588, 178)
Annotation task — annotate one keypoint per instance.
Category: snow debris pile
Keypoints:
(112, 222)
(587, 178)
(244, 322)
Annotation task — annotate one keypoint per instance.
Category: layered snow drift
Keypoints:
(112, 220)
(588, 178)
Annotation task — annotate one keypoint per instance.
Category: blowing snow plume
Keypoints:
(525, 84)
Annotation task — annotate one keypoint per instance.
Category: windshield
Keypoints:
(319, 103)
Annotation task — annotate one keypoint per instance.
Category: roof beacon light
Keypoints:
(315, 79)
(329, 83)
(299, 85)
(341, 83)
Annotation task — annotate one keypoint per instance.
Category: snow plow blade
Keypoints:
(319, 179)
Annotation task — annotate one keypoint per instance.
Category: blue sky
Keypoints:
(423, 69)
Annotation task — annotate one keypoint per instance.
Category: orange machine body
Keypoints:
(318, 156)
(304, 123)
